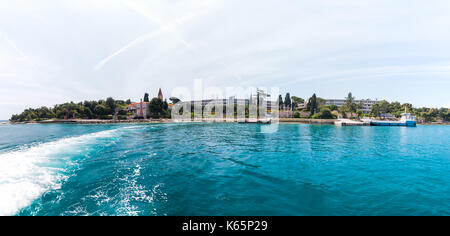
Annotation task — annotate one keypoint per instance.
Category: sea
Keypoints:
(223, 169)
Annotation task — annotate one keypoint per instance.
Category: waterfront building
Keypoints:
(138, 109)
(366, 104)
(233, 100)
(224, 102)
(301, 106)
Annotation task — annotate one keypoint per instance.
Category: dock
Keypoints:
(348, 122)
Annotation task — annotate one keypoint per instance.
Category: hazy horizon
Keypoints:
(53, 52)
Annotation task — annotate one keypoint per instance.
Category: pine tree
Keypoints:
(350, 97)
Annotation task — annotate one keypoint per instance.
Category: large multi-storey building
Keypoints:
(366, 104)
(233, 100)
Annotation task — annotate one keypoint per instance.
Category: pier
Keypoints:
(348, 122)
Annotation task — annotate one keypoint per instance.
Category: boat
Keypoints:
(407, 120)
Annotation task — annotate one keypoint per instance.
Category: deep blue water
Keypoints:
(223, 169)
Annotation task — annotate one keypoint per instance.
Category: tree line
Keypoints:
(158, 108)
(102, 109)
(316, 108)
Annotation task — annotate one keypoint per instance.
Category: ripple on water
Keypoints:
(232, 169)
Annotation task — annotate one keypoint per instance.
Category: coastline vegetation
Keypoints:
(102, 109)
(158, 108)
(314, 107)
(109, 109)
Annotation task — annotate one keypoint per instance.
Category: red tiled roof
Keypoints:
(136, 103)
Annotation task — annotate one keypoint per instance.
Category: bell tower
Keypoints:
(141, 109)
(160, 95)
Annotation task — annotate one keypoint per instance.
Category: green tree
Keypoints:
(111, 103)
(334, 108)
(87, 110)
(350, 98)
(297, 100)
(324, 113)
(350, 106)
(312, 105)
(376, 110)
(287, 100)
(280, 101)
(384, 107)
(156, 108)
(165, 106)
(407, 106)
(101, 110)
(146, 97)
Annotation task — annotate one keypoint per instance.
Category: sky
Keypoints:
(56, 51)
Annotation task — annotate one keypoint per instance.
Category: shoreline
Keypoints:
(162, 121)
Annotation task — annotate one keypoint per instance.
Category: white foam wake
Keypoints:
(26, 174)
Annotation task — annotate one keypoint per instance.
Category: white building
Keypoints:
(234, 101)
(366, 104)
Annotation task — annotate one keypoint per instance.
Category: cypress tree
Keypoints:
(287, 100)
(313, 104)
(280, 101)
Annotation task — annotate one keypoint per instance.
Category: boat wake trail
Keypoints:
(27, 173)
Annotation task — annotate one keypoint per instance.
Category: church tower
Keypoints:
(160, 95)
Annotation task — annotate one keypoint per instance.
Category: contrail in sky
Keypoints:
(13, 45)
(169, 28)
(138, 40)
(164, 28)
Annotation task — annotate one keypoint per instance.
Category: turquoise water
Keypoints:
(223, 169)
